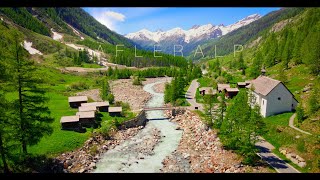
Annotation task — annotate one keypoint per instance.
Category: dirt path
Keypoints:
(291, 124)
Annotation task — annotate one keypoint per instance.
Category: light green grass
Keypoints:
(60, 140)
(86, 65)
(281, 135)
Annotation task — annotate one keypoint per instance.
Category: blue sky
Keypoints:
(127, 20)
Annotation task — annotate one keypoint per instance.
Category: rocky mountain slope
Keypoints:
(189, 39)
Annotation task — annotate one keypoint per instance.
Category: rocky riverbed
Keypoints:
(124, 90)
(200, 150)
(85, 158)
(145, 151)
(94, 94)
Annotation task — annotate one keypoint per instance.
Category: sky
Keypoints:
(133, 19)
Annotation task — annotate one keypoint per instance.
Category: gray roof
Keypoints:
(87, 108)
(223, 86)
(232, 89)
(65, 119)
(77, 98)
(97, 104)
(263, 85)
(87, 114)
(115, 109)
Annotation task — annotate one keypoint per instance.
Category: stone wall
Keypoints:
(139, 120)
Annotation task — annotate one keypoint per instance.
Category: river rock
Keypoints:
(82, 170)
(92, 165)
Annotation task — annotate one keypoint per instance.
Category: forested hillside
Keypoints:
(23, 18)
(289, 51)
(225, 44)
(83, 21)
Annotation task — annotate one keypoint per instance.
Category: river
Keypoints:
(126, 156)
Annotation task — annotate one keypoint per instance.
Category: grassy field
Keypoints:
(281, 135)
(60, 86)
(60, 140)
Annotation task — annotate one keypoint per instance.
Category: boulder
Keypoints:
(302, 164)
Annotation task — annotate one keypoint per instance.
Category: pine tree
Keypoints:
(241, 127)
(33, 116)
(282, 74)
(220, 111)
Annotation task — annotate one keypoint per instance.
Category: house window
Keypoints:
(279, 98)
(262, 102)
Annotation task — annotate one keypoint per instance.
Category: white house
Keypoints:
(272, 96)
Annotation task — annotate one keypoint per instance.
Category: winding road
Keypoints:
(191, 94)
(273, 160)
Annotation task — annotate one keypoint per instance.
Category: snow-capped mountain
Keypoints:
(187, 38)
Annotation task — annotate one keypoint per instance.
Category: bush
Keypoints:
(78, 86)
(300, 114)
(106, 128)
(110, 98)
(137, 81)
(125, 106)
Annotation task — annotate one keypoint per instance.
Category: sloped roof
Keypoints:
(66, 119)
(87, 108)
(97, 104)
(87, 114)
(115, 109)
(263, 85)
(223, 86)
(232, 89)
(208, 90)
(78, 98)
(242, 83)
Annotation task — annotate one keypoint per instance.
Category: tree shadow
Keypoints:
(35, 164)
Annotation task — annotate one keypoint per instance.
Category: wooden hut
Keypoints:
(76, 101)
(69, 122)
(242, 84)
(222, 87)
(101, 106)
(87, 117)
(207, 90)
(87, 108)
(115, 111)
(231, 92)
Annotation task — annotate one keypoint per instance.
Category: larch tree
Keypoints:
(32, 114)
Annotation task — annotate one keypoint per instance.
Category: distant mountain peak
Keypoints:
(195, 26)
(195, 34)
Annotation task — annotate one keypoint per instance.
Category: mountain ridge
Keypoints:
(189, 38)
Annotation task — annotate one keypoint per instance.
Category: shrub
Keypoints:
(110, 98)
(300, 114)
(137, 81)
(78, 86)
(93, 150)
(107, 127)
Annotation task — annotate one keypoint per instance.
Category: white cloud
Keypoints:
(109, 18)
(115, 15)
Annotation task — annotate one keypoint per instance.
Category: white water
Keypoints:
(123, 159)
